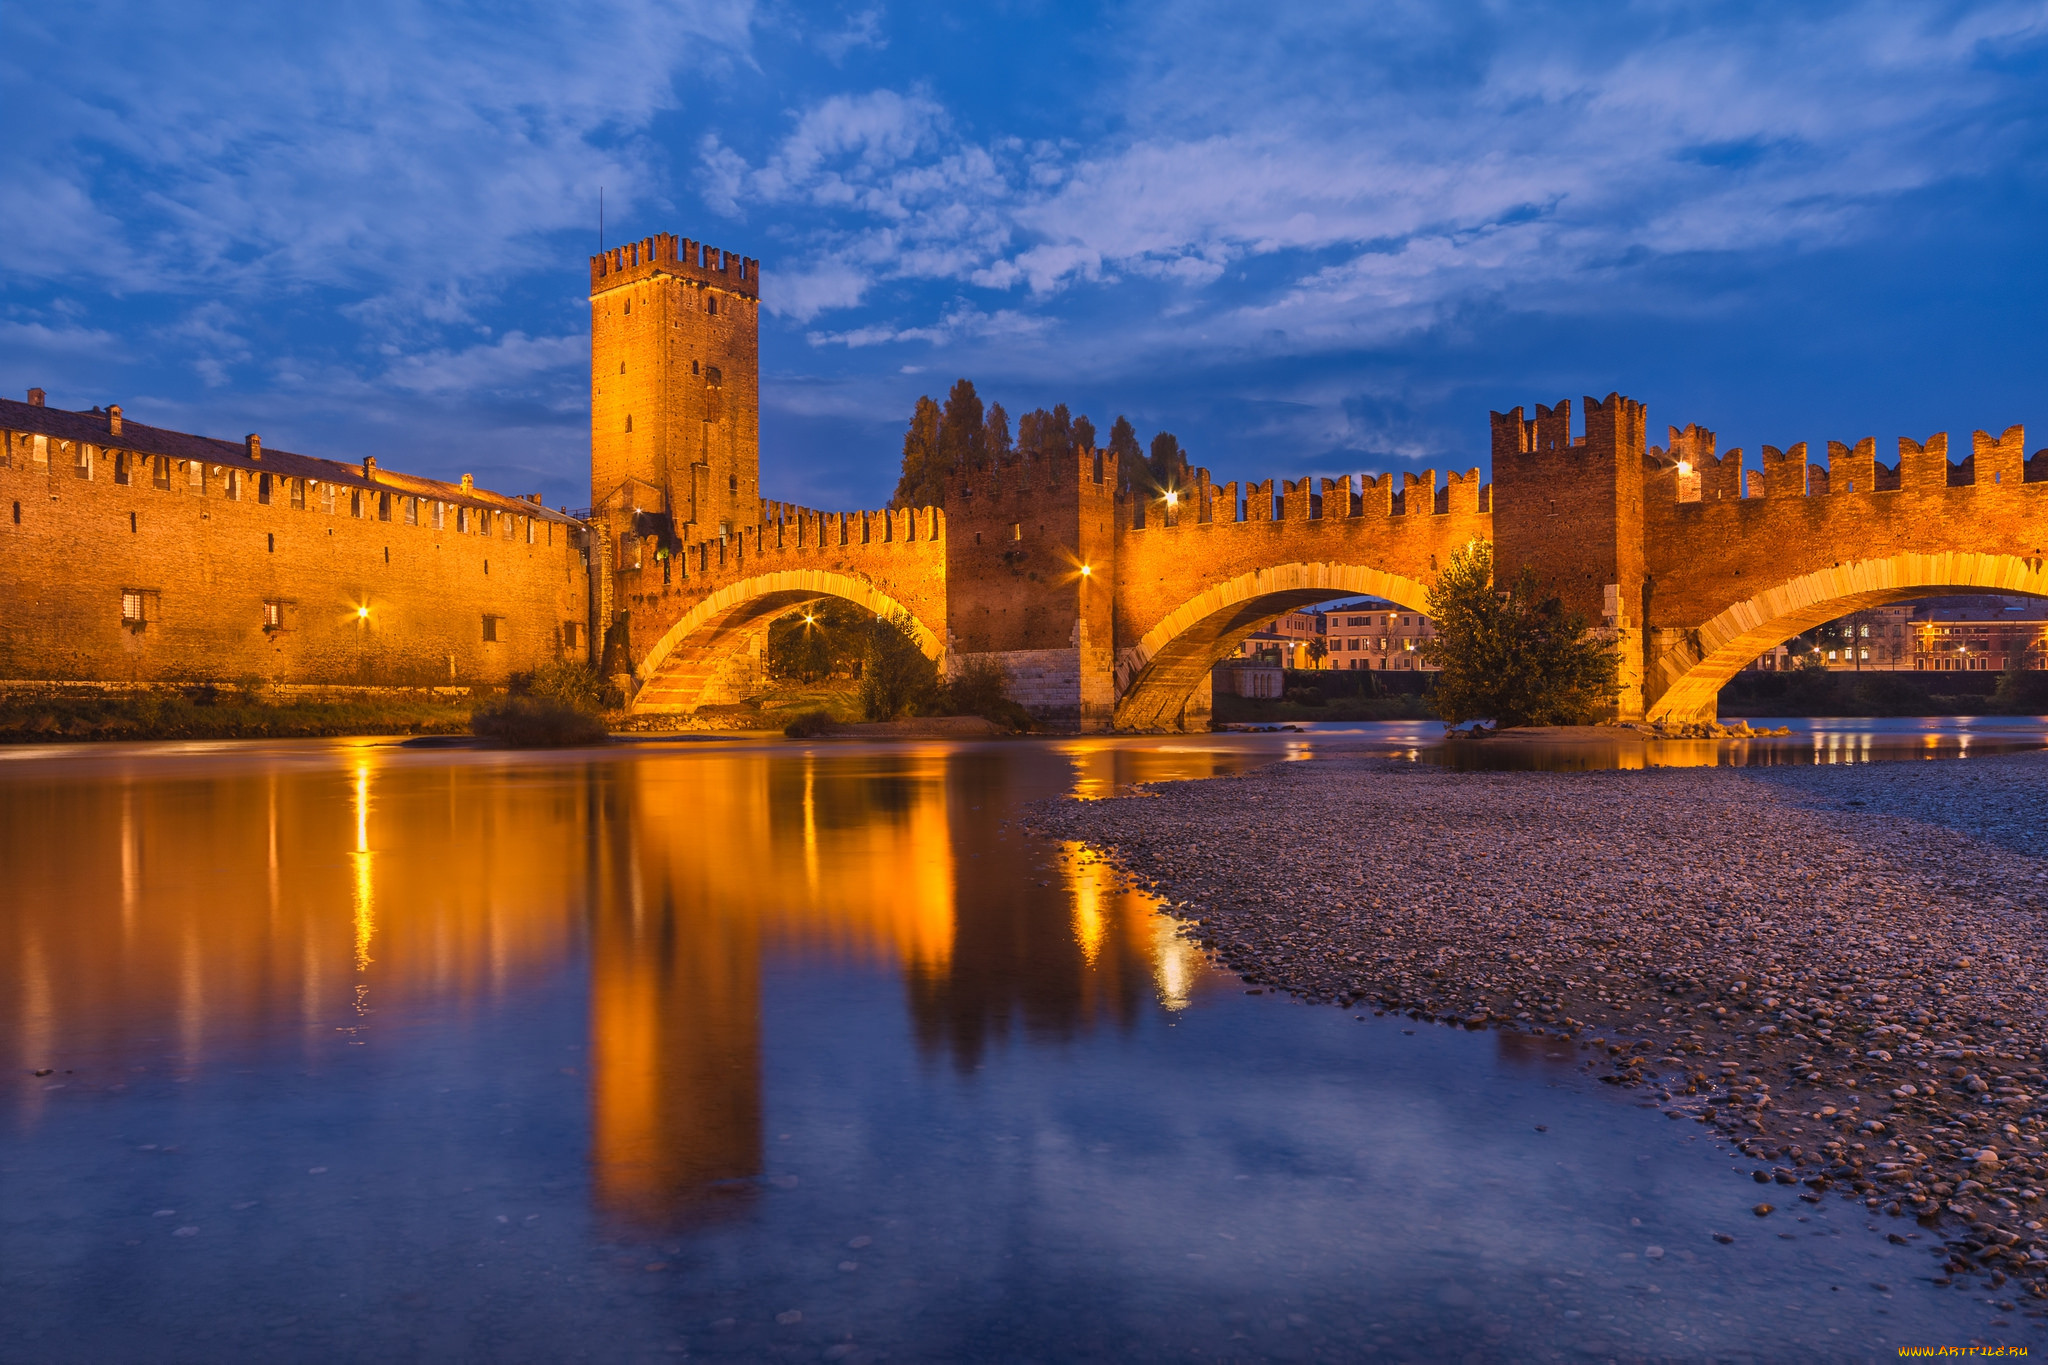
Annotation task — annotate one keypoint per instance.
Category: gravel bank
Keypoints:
(1835, 966)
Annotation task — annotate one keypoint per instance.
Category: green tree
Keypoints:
(1167, 466)
(923, 481)
(1515, 657)
(1043, 434)
(1084, 434)
(896, 679)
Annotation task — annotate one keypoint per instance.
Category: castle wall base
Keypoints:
(1063, 686)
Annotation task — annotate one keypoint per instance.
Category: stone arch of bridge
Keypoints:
(683, 669)
(1685, 679)
(1155, 677)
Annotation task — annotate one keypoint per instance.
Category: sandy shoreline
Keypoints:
(1835, 967)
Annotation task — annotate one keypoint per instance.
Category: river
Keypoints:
(760, 1050)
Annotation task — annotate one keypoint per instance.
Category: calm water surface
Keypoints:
(758, 1052)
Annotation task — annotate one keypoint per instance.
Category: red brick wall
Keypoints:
(212, 563)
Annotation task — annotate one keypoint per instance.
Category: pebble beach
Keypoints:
(1836, 968)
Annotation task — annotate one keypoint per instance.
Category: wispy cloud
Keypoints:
(961, 322)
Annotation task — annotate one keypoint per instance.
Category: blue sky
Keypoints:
(1306, 240)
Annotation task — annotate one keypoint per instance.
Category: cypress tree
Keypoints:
(923, 480)
(963, 437)
(998, 439)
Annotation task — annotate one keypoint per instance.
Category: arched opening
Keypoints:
(1686, 679)
(686, 667)
(1156, 676)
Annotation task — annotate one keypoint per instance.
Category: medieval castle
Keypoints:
(135, 555)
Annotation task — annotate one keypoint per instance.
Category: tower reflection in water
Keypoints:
(190, 912)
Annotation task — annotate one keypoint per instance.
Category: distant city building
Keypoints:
(1369, 633)
(1376, 634)
(1937, 635)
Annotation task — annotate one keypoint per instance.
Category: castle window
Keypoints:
(568, 635)
(440, 515)
(629, 307)
(273, 616)
(355, 502)
(139, 606)
(39, 450)
(732, 483)
(195, 477)
(383, 507)
(529, 530)
(270, 542)
(263, 489)
(462, 521)
(491, 629)
(622, 367)
(712, 376)
(17, 516)
(508, 526)
(327, 498)
(298, 498)
(629, 421)
(81, 461)
(693, 367)
(713, 305)
(232, 485)
(123, 462)
(412, 511)
(160, 473)
(1016, 530)
(483, 523)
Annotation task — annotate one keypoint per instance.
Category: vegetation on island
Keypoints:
(1515, 656)
(559, 705)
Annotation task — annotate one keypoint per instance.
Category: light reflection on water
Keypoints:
(1810, 742)
(522, 1056)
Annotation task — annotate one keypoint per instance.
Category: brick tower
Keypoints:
(1572, 510)
(675, 385)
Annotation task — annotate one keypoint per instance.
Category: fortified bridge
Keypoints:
(1108, 609)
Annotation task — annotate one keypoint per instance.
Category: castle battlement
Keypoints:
(1703, 477)
(1201, 501)
(667, 254)
(1613, 425)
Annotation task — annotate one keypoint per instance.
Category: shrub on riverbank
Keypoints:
(810, 725)
(212, 712)
(537, 723)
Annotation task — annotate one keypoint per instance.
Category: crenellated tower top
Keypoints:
(667, 254)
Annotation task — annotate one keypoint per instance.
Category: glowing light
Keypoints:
(1086, 571)
(1172, 498)
(1685, 466)
(362, 613)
